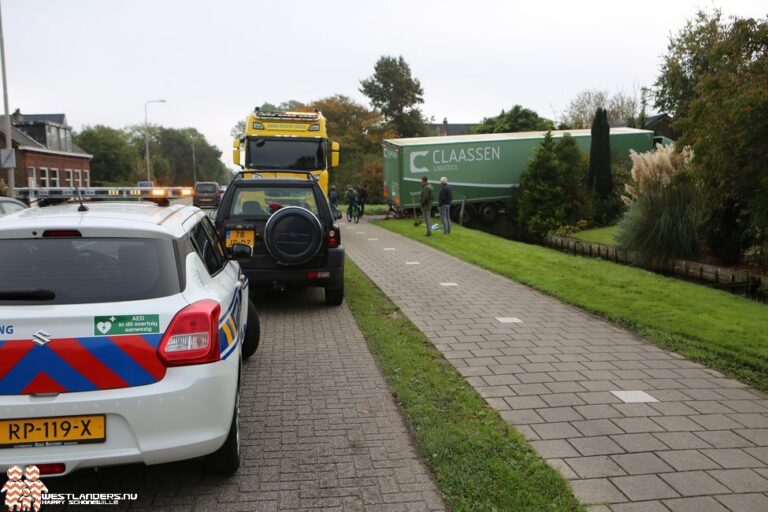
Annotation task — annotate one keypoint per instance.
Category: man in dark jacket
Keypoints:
(426, 203)
(444, 203)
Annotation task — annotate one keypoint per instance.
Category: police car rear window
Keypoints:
(86, 270)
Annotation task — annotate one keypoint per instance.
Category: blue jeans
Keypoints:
(445, 217)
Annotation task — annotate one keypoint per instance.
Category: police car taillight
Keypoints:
(193, 335)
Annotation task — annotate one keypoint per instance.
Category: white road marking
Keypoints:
(412, 263)
(373, 239)
(634, 397)
(449, 284)
(509, 320)
(389, 249)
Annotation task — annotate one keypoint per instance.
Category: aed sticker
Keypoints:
(126, 324)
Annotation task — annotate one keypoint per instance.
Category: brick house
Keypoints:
(46, 156)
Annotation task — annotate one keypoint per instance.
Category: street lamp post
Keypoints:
(7, 129)
(146, 134)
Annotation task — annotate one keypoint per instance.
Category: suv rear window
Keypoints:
(87, 270)
(264, 201)
(206, 188)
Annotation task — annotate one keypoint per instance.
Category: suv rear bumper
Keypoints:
(299, 276)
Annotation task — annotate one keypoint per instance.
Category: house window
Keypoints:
(86, 178)
(53, 177)
(31, 178)
(43, 182)
(68, 177)
(77, 178)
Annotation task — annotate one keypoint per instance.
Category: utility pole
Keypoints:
(7, 157)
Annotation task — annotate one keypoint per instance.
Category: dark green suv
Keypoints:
(289, 225)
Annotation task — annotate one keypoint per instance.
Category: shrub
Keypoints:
(4, 190)
(664, 213)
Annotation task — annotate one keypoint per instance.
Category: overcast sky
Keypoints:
(98, 61)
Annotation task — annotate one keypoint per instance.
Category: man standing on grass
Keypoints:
(444, 203)
(426, 203)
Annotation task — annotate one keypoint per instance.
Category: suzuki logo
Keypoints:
(41, 337)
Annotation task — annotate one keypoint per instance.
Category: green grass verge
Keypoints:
(716, 328)
(599, 235)
(375, 209)
(480, 463)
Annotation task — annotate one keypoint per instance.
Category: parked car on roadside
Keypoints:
(206, 193)
(289, 224)
(122, 331)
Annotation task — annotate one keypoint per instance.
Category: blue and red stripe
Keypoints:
(79, 364)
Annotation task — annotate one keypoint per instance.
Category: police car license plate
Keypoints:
(52, 431)
(240, 236)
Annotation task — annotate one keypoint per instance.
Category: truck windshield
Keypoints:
(285, 154)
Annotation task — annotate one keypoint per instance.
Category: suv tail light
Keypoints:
(193, 335)
(333, 237)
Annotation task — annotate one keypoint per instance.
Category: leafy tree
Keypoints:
(551, 191)
(171, 154)
(291, 105)
(573, 165)
(688, 59)
(395, 93)
(726, 123)
(357, 128)
(114, 157)
(360, 132)
(622, 108)
(599, 179)
(516, 119)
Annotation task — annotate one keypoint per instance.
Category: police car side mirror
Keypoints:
(241, 252)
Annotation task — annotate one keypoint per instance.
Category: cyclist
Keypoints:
(333, 197)
(351, 198)
(362, 198)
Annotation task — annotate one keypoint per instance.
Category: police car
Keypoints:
(122, 332)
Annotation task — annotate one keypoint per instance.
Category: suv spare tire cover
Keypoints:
(293, 235)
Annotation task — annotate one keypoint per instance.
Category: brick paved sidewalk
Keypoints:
(684, 438)
(320, 429)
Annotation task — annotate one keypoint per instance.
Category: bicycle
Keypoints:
(353, 213)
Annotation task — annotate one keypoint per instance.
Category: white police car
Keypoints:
(122, 330)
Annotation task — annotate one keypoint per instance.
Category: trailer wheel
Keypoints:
(469, 214)
(488, 212)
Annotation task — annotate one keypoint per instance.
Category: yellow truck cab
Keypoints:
(276, 143)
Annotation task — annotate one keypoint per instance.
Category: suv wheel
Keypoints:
(252, 332)
(334, 296)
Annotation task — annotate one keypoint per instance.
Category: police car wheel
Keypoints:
(226, 460)
(252, 332)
